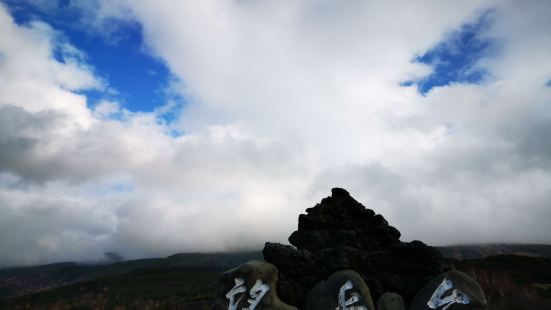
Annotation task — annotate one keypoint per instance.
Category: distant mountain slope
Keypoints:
(462, 252)
(26, 280)
(510, 283)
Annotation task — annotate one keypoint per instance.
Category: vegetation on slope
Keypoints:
(152, 288)
(510, 282)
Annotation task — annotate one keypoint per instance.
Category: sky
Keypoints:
(148, 128)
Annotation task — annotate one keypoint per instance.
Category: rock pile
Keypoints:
(344, 257)
(339, 233)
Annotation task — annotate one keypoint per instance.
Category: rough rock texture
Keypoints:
(250, 273)
(391, 301)
(341, 234)
(333, 293)
(459, 282)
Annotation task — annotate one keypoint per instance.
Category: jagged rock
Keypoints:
(391, 301)
(339, 233)
(451, 290)
(251, 285)
(342, 290)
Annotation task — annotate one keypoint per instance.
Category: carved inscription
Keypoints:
(256, 293)
(347, 304)
(455, 296)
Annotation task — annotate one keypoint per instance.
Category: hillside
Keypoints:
(167, 287)
(21, 281)
(157, 280)
(463, 252)
(510, 282)
(25, 280)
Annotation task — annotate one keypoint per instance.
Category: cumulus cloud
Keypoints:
(286, 100)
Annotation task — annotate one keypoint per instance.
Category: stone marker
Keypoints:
(339, 233)
(343, 290)
(391, 301)
(450, 291)
(250, 286)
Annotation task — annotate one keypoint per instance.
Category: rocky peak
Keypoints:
(339, 233)
(339, 220)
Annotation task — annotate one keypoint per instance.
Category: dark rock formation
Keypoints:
(341, 234)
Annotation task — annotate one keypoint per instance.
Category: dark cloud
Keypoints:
(21, 136)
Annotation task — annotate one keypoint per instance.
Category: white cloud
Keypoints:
(287, 99)
(30, 77)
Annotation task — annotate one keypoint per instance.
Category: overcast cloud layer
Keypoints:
(284, 100)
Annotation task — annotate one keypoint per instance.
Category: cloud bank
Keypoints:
(284, 100)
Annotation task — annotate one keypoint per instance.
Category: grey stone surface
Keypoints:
(452, 290)
(251, 285)
(390, 301)
(342, 290)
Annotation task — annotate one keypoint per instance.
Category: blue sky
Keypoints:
(457, 58)
(428, 110)
(135, 78)
(139, 81)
